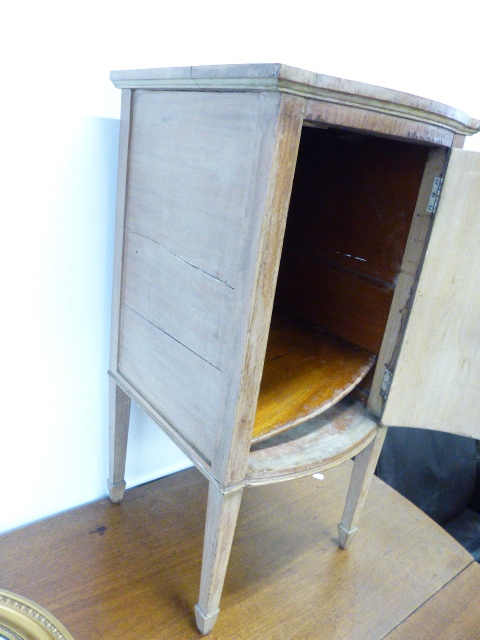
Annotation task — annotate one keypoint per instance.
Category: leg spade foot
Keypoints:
(222, 512)
(205, 623)
(362, 474)
(119, 422)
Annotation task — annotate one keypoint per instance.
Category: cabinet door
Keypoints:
(436, 384)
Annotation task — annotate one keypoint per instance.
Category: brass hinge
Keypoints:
(387, 383)
(435, 195)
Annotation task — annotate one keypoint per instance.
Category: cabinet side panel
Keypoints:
(182, 300)
(191, 161)
(122, 175)
(436, 384)
(175, 382)
(192, 207)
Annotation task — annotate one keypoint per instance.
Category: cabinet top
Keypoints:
(286, 79)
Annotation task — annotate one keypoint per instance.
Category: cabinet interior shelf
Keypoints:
(307, 370)
(326, 440)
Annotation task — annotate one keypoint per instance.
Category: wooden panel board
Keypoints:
(275, 173)
(322, 442)
(353, 200)
(199, 172)
(436, 384)
(410, 114)
(348, 305)
(452, 614)
(374, 121)
(123, 152)
(407, 278)
(193, 158)
(132, 570)
(167, 373)
(306, 371)
(185, 302)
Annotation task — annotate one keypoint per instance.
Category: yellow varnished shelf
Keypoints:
(306, 372)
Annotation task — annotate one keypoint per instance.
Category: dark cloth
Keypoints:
(436, 471)
(465, 528)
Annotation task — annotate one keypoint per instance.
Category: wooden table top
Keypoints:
(132, 571)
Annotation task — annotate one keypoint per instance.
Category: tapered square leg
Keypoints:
(362, 473)
(119, 421)
(222, 513)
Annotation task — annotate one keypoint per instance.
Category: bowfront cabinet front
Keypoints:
(296, 267)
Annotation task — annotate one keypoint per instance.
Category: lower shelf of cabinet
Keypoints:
(306, 371)
(324, 441)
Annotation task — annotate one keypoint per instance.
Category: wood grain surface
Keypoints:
(132, 570)
(353, 199)
(306, 371)
(407, 278)
(352, 205)
(451, 614)
(183, 388)
(436, 384)
(379, 101)
(322, 442)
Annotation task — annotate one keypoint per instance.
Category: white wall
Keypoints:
(59, 147)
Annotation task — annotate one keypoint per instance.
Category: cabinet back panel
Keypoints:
(350, 213)
(343, 303)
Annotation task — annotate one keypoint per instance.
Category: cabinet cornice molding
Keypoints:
(309, 85)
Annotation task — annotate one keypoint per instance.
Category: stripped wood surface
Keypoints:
(192, 162)
(183, 388)
(436, 384)
(280, 77)
(362, 476)
(199, 169)
(306, 371)
(123, 162)
(326, 440)
(119, 422)
(407, 278)
(183, 301)
(254, 309)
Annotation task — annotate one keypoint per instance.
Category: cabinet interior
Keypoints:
(352, 204)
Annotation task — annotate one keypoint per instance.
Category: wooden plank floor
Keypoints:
(131, 571)
(452, 614)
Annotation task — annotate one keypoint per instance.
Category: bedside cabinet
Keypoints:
(296, 267)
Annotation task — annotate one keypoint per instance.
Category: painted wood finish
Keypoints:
(436, 384)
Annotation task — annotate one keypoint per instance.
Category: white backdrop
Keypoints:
(59, 146)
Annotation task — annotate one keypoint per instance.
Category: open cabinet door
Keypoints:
(436, 384)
